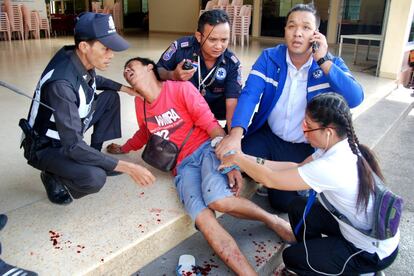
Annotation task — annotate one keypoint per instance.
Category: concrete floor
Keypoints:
(120, 204)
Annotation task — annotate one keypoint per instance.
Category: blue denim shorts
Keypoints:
(199, 182)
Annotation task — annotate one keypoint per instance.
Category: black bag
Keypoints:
(160, 153)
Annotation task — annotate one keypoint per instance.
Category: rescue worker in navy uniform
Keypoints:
(217, 71)
(68, 85)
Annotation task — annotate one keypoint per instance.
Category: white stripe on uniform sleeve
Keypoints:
(318, 87)
(13, 270)
(52, 134)
(266, 79)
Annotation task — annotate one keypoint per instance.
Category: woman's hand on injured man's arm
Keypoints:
(139, 174)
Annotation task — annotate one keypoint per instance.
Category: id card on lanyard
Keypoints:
(201, 82)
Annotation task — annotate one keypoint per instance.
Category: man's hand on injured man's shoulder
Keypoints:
(130, 91)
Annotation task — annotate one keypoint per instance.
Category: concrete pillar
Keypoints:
(397, 31)
(334, 19)
(257, 18)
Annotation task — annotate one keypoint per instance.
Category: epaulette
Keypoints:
(185, 42)
(231, 56)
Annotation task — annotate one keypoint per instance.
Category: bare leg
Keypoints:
(243, 208)
(222, 243)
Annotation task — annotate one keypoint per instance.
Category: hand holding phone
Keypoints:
(315, 46)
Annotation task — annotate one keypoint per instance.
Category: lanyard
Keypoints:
(201, 82)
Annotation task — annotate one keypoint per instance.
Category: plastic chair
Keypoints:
(5, 25)
(44, 24)
(8, 8)
(232, 11)
(221, 4)
(241, 25)
(96, 7)
(30, 23)
(237, 3)
(209, 6)
(17, 22)
(117, 15)
(107, 10)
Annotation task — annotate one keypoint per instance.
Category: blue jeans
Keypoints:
(199, 182)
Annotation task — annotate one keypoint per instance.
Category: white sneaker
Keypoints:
(186, 265)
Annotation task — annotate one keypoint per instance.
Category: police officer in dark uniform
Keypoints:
(215, 70)
(68, 85)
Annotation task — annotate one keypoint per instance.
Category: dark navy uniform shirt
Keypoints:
(225, 82)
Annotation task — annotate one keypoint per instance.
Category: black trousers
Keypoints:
(82, 179)
(326, 253)
(265, 144)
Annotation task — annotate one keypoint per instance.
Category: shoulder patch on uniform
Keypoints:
(234, 59)
(239, 76)
(221, 73)
(317, 74)
(184, 44)
(170, 51)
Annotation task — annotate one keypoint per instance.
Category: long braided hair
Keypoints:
(331, 109)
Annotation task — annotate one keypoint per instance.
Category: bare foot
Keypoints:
(282, 228)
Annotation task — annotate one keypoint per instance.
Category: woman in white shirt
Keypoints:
(340, 168)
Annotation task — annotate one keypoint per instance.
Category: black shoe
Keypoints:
(113, 173)
(6, 269)
(3, 221)
(56, 191)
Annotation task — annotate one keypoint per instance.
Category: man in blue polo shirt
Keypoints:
(215, 71)
(282, 80)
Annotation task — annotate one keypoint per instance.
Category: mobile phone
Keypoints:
(315, 46)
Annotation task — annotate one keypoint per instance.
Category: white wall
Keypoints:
(32, 5)
(173, 15)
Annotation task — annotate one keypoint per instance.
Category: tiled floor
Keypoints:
(112, 212)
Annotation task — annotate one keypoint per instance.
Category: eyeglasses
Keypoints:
(314, 129)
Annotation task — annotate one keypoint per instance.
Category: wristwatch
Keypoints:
(260, 161)
(323, 59)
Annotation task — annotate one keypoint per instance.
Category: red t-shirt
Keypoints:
(177, 109)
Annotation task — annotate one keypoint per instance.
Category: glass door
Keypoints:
(136, 14)
(274, 15)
